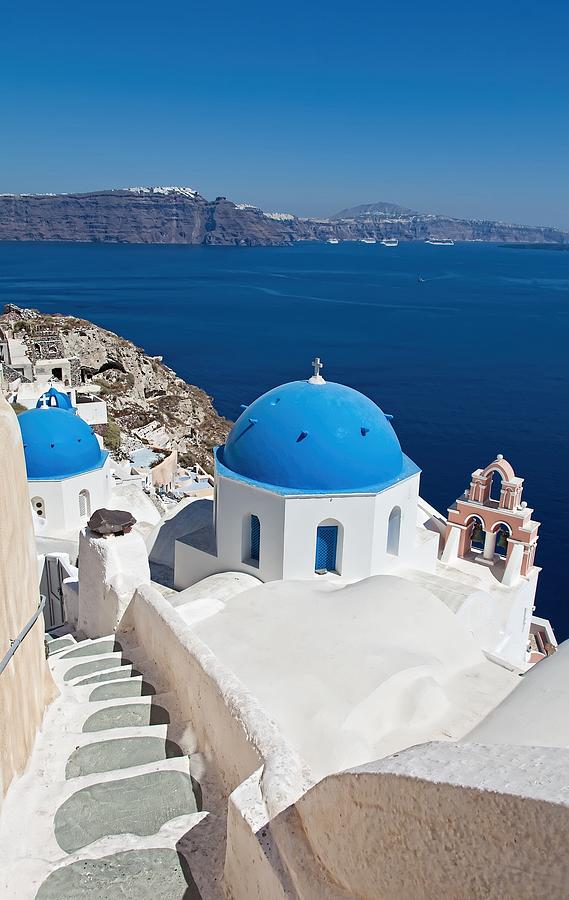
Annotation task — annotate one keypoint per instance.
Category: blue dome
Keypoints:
(58, 444)
(315, 438)
(54, 398)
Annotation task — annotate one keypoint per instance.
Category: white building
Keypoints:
(312, 483)
(69, 474)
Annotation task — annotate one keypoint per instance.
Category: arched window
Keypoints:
(394, 531)
(251, 540)
(84, 504)
(38, 507)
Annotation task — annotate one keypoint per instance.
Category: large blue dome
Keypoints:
(58, 444)
(315, 438)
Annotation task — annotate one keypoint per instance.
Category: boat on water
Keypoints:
(440, 242)
(332, 241)
(390, 242)
(368, 241)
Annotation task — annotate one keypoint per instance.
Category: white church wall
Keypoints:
(352, 513)
(235, 502)
(49, 517)
(61, 501)
(404, 496)
(288, 528)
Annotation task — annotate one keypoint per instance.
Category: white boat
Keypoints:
(390, 242)
(368, 241)
(332, 241)
(440, 242)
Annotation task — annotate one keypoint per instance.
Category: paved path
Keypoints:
(110, 805)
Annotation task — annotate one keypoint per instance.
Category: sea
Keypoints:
(465, 345)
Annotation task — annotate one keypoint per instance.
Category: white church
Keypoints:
(312, 483)
(69, 472)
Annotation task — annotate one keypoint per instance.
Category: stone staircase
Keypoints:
(110, 805)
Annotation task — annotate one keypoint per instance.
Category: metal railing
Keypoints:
(14, 644)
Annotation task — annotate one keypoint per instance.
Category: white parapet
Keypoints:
(110, 570)
(450, 551)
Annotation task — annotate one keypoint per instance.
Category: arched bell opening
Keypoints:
(502, 534)
(476, 534)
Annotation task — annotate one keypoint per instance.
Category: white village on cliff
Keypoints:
(289, 678)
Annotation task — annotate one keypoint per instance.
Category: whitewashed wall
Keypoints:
(288, 533)
(61, 500)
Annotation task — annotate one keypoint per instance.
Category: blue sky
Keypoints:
(304, 107)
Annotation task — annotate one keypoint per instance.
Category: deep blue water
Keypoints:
(471, 362)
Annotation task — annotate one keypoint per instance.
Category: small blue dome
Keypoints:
(315, 438)
(54, 398)
(58, 444)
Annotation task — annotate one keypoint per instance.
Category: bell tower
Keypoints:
(492, 525)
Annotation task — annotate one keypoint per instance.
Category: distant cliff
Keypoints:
(175, 215)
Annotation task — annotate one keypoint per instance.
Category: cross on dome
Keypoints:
(317, 377)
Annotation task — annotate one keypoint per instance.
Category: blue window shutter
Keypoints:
(326, 546)
(255, 537)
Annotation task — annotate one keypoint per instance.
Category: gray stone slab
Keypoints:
(125, 688)
(121, 673)
(138, 805)
(157, 874)
(93, 649)
(95, 665)
(55, 644)
(131, 715)
(119, 753)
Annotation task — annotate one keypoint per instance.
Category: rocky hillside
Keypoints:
(172, 215)
(141, 392)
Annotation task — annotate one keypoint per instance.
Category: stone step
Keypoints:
(143, 874)
(126, 715)
(93, 648)
(93, 666)
(119, 753)
(122, 673)
(139, 804)
(128, 687)
(57, 645)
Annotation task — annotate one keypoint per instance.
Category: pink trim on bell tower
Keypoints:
(477, 515)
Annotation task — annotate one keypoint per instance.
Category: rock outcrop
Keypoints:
(174, 215)
(146, 399)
